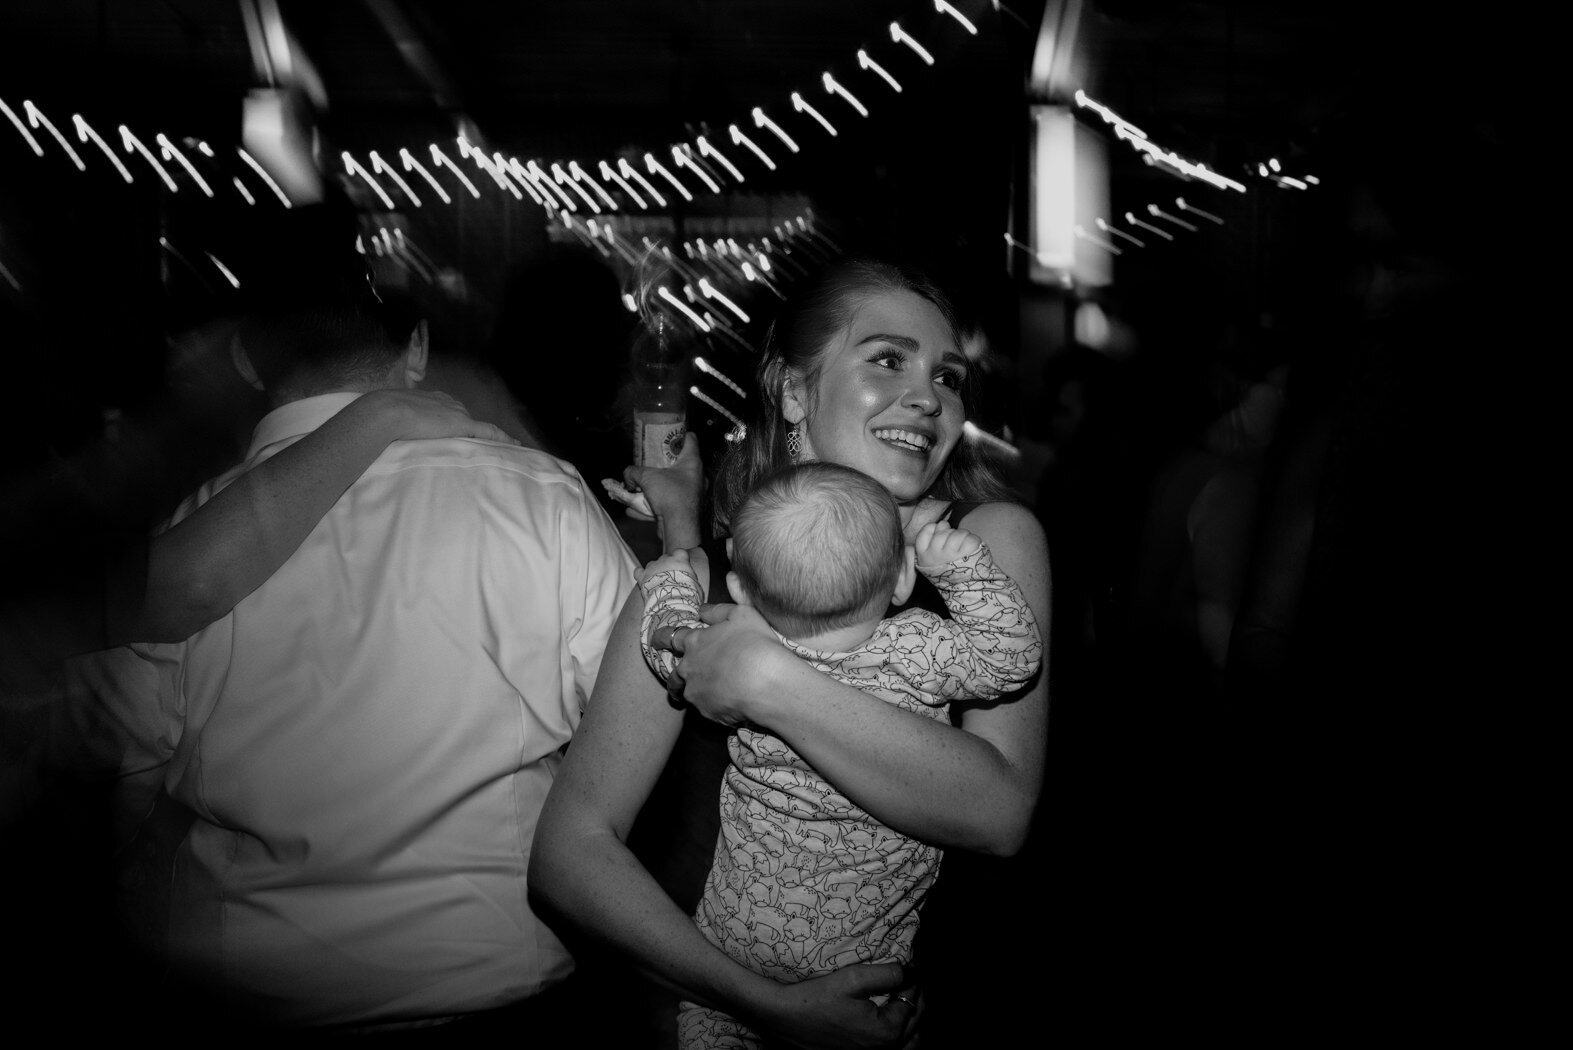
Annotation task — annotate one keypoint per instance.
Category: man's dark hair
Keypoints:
(311, 320)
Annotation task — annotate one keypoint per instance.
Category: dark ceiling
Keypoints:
(589, 77)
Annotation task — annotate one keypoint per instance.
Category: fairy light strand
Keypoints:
(899, 35)
(629, 170)
(378, 164)
(353, 166)
(943, 8)
(441, 159)
(864, 62)
(740, 139)
(134, 144)
(802, 106)
(35, 117)
(656, 167)
(411, 164)
(762, 121)
(22, 128)
(705, 149)
(612, 176)
(834, 87)
(170, 152)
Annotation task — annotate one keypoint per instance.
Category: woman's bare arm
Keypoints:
(200, 569)
(582, 870)
(972, 787)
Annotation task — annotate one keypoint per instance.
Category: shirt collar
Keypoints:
(297, 419)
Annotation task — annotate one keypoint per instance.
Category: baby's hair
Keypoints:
(818, 546)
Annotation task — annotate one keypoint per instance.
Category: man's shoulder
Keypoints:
(474, 455)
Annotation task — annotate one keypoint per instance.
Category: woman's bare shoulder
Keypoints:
(1003, 518)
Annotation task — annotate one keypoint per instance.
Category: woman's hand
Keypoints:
(670, 495)
(867, 1006)
(727, 671)
(416, 414)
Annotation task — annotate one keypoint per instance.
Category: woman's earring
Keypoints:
(794, 442)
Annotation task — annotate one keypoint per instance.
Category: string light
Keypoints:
(241, 188)
(611, 176)
(762, 121)
(900, 36)
(352, 166)
(864, 62)
(836, 89)
(628, 170)
(1107, 228)
(740, 139)
(705, 149)
(1131, 218)
(579, 173)
(234, 282)
(711, 293)
(803, 107)
(1081, 232)
(1026, 249)
(544, 180)
(1157, 212)
(510, 179)
(655, 166)
(522, 177)
(1179, 202)
(942, 7)
(378, 164)
(131, 142)
(564, 179)
(22, 128)
(682, 159)
(491, 167)
(707, 399)
(170, 152)
(439, 158)
(973, 432)
(36, 117)
(411, 164)
(700, 322)
(710, 370)
(1109, 116)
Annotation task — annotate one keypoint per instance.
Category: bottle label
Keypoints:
(658, 438)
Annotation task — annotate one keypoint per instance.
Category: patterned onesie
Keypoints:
(803, 881)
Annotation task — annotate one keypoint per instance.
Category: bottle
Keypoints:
(660, 368)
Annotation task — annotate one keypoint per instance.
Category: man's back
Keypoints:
(367, 739)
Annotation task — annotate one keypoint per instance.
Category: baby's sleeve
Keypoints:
(671, 599)
(992, 644)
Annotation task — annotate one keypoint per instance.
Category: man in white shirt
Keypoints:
(363, 745)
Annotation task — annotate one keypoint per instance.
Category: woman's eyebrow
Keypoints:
(903, 341)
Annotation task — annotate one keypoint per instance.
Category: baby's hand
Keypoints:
(939, 544)
(677, 561)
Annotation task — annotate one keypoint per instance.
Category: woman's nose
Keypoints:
(922, 395)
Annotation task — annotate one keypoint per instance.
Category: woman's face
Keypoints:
(887, 400)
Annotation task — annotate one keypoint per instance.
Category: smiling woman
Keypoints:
(864, 370)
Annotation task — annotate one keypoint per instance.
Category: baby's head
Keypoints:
(818, 547)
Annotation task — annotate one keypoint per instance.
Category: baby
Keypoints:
(803, 881)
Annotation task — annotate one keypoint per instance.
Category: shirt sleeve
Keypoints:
(991, 645)
(671, 599)
(608, 572)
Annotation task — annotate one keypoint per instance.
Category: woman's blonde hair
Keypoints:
(796, 345)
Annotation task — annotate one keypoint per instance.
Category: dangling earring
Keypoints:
(794, 442)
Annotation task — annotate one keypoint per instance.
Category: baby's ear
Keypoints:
(907, 578)
(734, 584)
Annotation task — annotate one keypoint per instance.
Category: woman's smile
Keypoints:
(887, 399)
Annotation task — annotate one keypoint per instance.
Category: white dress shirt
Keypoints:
(367, 739)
